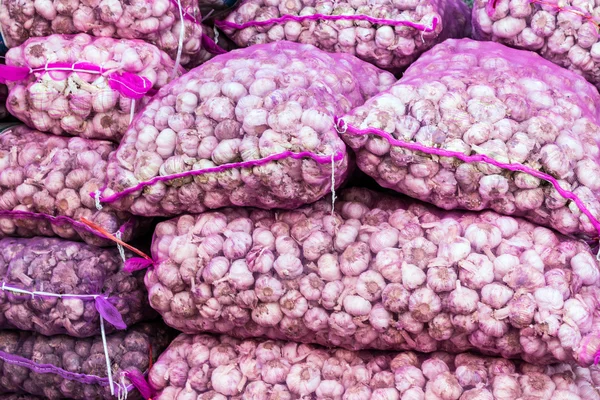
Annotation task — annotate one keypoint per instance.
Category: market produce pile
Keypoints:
(387, 201)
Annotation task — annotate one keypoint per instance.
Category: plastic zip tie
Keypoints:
(97, 200)
(47, 294)
(332, 184)
(120, 247)
(107, 358)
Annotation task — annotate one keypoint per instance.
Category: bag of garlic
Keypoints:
(205, 367)
(564, 32)
(62, 367)
(388, 34)
(83, 86)
(54, 286)
(174, 26)
(477, 125)
(379, 273)
(45, 181)
(253, 127)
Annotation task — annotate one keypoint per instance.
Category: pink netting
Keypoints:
(476, 125)
(62, 367)
(258, 370)
(565, 32)
(172, 25)
(380, 273)
(54, 286)
(45, 181)
(83, 86)
(389, 34)
(249, 128)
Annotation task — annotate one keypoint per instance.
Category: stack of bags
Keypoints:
(470, 273)
(74, 323)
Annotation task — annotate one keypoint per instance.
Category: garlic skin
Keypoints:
(307, 370)
(442, 137)
(461, 281)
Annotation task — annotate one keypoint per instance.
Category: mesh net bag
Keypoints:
(55, 286)
(476, 125)
(389, 34)
(253, 127)
(172, 25)
(204, 367)
(45, 184)
(564, 32)
(379, 273)
(62, 367)
(81, 85)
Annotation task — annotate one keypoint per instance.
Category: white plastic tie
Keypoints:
(118, 235)
(180, 44)
(216, 32)
(132, 111)
(125, 391)
(107, 358)
(97, 200)
(332, 184)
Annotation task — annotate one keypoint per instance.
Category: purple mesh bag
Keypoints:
(253, 127)
(55, 286)
(62, 367)
(204, 367)
(565, 32)
(389, 34)
(379, 273)
(477, 125)
(45, 181)
(83, 86)
(172, 25)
